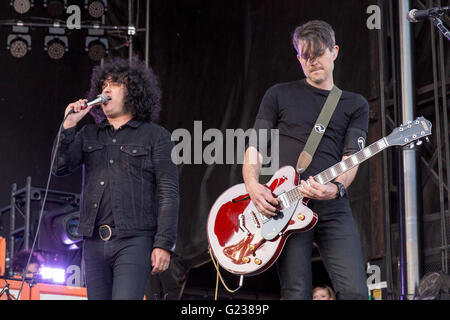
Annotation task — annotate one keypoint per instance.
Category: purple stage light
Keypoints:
(56, 275)
(59, 275)
(74, 247)
(46, 273)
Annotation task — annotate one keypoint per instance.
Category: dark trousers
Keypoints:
(117, 269)
(337, 238)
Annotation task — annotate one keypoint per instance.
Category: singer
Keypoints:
(130, 197)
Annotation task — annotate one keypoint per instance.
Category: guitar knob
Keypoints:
(246, 259)
(257, 261)
(251, 247)
(301, 217)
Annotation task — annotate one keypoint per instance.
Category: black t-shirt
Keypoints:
(294, 107)
(105, 214)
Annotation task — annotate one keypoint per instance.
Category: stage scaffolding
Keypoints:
(409, 254)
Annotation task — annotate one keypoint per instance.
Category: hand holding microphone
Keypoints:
(77, 110)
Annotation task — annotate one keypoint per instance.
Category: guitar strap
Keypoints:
(305, 158)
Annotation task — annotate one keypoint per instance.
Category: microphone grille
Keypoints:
(411, 16)
(104, 98)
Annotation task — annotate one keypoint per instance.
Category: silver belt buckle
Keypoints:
(105, 226)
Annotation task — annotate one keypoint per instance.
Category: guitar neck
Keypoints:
(351, 162)
(341, 167)
(401, 136)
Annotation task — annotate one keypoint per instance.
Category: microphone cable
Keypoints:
(55, 151)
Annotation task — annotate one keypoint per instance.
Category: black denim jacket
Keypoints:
(143, 180)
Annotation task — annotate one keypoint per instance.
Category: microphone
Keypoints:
(418, 15)
(101, 98)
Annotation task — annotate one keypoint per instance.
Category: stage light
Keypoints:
(46, 273)
(59, 230)
(55, 8)
(19, 42)
(22, 6)
(96, 8)
(97, 48)
(56, 47)
(59, 275)
(68, 232)
(74, 247)
(96, 44)
(97, 51)
(56, 44)
(56, 275)
(18, 46)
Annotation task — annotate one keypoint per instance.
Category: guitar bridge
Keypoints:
(242, 224)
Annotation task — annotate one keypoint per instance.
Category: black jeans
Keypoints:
(337, 237)
(117, 269)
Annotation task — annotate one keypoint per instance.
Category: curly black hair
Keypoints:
(143, 97)
(20, 259)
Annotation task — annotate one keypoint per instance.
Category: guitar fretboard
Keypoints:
(341, 167)
(351, 162)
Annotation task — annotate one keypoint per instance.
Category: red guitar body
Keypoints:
(241, 238)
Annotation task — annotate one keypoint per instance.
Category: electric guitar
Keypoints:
(245, 242)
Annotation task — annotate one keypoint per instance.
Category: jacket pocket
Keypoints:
(137, 156)
(92, 152)
(91, 146)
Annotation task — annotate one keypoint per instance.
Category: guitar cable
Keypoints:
(219, 276)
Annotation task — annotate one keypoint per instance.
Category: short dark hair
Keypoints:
(143, 95)
(317, 34)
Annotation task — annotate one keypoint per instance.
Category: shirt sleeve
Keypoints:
(266, 119)
(69, 151)
(355, 137)
(167, 185)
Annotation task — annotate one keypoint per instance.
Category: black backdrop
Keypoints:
(214, 59)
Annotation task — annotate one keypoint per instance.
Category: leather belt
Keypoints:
(105, 232)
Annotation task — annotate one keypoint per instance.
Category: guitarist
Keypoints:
(293, 109)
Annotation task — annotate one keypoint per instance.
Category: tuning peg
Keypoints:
(419, 142)
(411, 145)
(427, 139)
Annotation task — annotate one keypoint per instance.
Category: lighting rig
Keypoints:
(56, 41)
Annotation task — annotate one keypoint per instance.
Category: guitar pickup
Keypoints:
(284, 201)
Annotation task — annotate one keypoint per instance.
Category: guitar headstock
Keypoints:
(409, 132)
